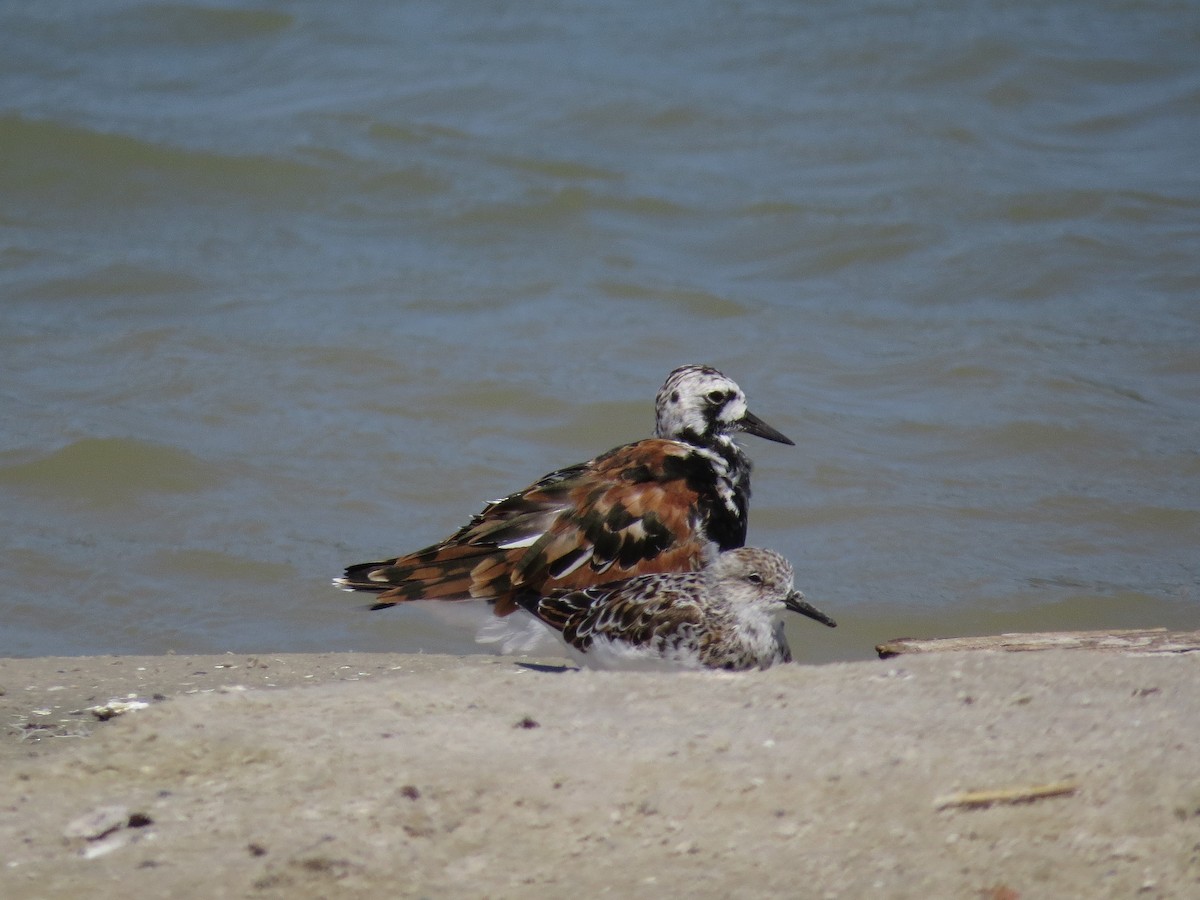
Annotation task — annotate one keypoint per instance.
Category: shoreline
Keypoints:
(297, 775)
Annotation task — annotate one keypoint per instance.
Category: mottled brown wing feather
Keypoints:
(634, 510)
(621, 612)
(644, 623)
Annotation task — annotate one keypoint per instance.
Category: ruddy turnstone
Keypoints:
(725, 616)
(664, 504)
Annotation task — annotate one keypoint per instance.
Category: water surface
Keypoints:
(286, 287)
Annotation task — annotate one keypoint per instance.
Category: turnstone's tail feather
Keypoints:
(664, 504)
(725, 616)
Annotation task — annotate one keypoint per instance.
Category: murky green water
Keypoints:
(288, 287)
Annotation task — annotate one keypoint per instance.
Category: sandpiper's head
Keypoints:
(699, 405)
(762, 578)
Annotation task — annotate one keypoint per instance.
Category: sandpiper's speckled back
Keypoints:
(725, 616)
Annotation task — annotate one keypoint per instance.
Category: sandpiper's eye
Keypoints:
(716, 396)
(754, 578)
(674, 396)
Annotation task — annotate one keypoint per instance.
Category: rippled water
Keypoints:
(289, 286)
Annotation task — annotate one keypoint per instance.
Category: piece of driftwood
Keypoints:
(1022, 794)
(1145, 641)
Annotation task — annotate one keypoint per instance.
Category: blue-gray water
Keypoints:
(286, 286)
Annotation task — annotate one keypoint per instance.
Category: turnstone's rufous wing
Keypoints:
(658, 505)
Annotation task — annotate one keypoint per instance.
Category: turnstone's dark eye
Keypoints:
(674, 396)
(716, 396)
(754, 578)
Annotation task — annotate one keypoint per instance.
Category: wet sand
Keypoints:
(405, 776)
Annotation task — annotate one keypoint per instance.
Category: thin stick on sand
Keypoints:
(1022, 794)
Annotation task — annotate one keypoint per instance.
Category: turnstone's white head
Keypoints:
(699, 405)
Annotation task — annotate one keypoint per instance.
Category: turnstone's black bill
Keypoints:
(664, 504)
(752, 424)
(725, 616)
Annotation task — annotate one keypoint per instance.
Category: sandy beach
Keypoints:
(996, 775)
